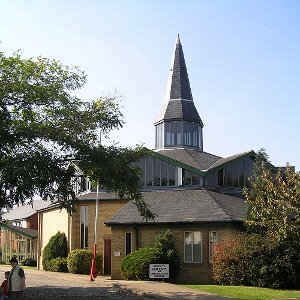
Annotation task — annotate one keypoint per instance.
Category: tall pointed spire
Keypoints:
(179, 84)
(178, 123)
(178, 101)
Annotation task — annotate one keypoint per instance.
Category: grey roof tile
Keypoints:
(32, 233)
(24, 211)
(184, 206)
(192, 157)
(231, 158)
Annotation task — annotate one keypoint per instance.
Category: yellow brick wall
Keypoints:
(57, 220)
(51, 222)
(106, 209)
(189, 272)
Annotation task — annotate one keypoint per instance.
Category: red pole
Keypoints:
(93, 266)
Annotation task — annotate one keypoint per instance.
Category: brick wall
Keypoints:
(189, 272)
(51, 221)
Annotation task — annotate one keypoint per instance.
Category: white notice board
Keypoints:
(159, 271)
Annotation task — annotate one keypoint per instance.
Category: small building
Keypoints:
(19, 231)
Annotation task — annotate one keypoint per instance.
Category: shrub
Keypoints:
(257, 260)
(79, 261)
(166, 243)
(136, 264)
(56, 247)
(28, 262)
(59, 264)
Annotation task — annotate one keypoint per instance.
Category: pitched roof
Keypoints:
(91, 195)
(178, 103)
(28, 232)
(25, 211)
(228, 159)
(184, 206)
(192, 157)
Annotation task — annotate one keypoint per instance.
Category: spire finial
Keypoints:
(178, 39)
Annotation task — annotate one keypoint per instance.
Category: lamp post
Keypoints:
(93, 264)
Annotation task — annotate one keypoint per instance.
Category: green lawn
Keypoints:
(247, 293)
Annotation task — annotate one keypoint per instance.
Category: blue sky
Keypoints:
(243, 59)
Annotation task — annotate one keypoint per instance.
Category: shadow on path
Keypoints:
(79, 293)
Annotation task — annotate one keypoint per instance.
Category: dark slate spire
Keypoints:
(178, 103)
(180, 84)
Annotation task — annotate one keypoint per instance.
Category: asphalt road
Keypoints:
(60, 286)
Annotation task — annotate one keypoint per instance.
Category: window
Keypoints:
(128, 243)
(193, 246)
(84, 227)
(213, 239)
(221, 177)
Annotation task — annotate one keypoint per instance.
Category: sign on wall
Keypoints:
(159, 271)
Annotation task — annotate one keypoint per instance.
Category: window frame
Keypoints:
(84, 220)
(201, 247)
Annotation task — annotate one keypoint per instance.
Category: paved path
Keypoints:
(54, 285)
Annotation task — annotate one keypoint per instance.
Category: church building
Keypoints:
(195, 194)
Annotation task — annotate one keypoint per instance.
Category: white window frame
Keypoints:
(84, 219)
(210, 243)
(201, 246)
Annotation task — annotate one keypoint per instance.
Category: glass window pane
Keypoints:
(164, 173)
(187, 177)
(188, 246)
(149, 171)
(156, 172)
(197, 252)
(195, 179)
(127, 243)
(171, 174)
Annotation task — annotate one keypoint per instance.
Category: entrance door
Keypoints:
(107, 256)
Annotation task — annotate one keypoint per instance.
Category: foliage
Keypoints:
(247, 293)
(30, 262)
(166, 243)
(44, 126)
(79, 261)
(257, 260)
(59, 264)
(273, 196)
(136, 264)
(268, 256)
(56, 247)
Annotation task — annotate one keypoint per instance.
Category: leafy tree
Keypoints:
(274, 196)
(44, 126)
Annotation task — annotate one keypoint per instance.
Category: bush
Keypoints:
(257, 260)
(56, 247)
(30, 262)
(136, 265)
(59, 264)
(79, 261)
(166, 243)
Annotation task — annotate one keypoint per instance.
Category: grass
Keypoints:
(247, 293)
